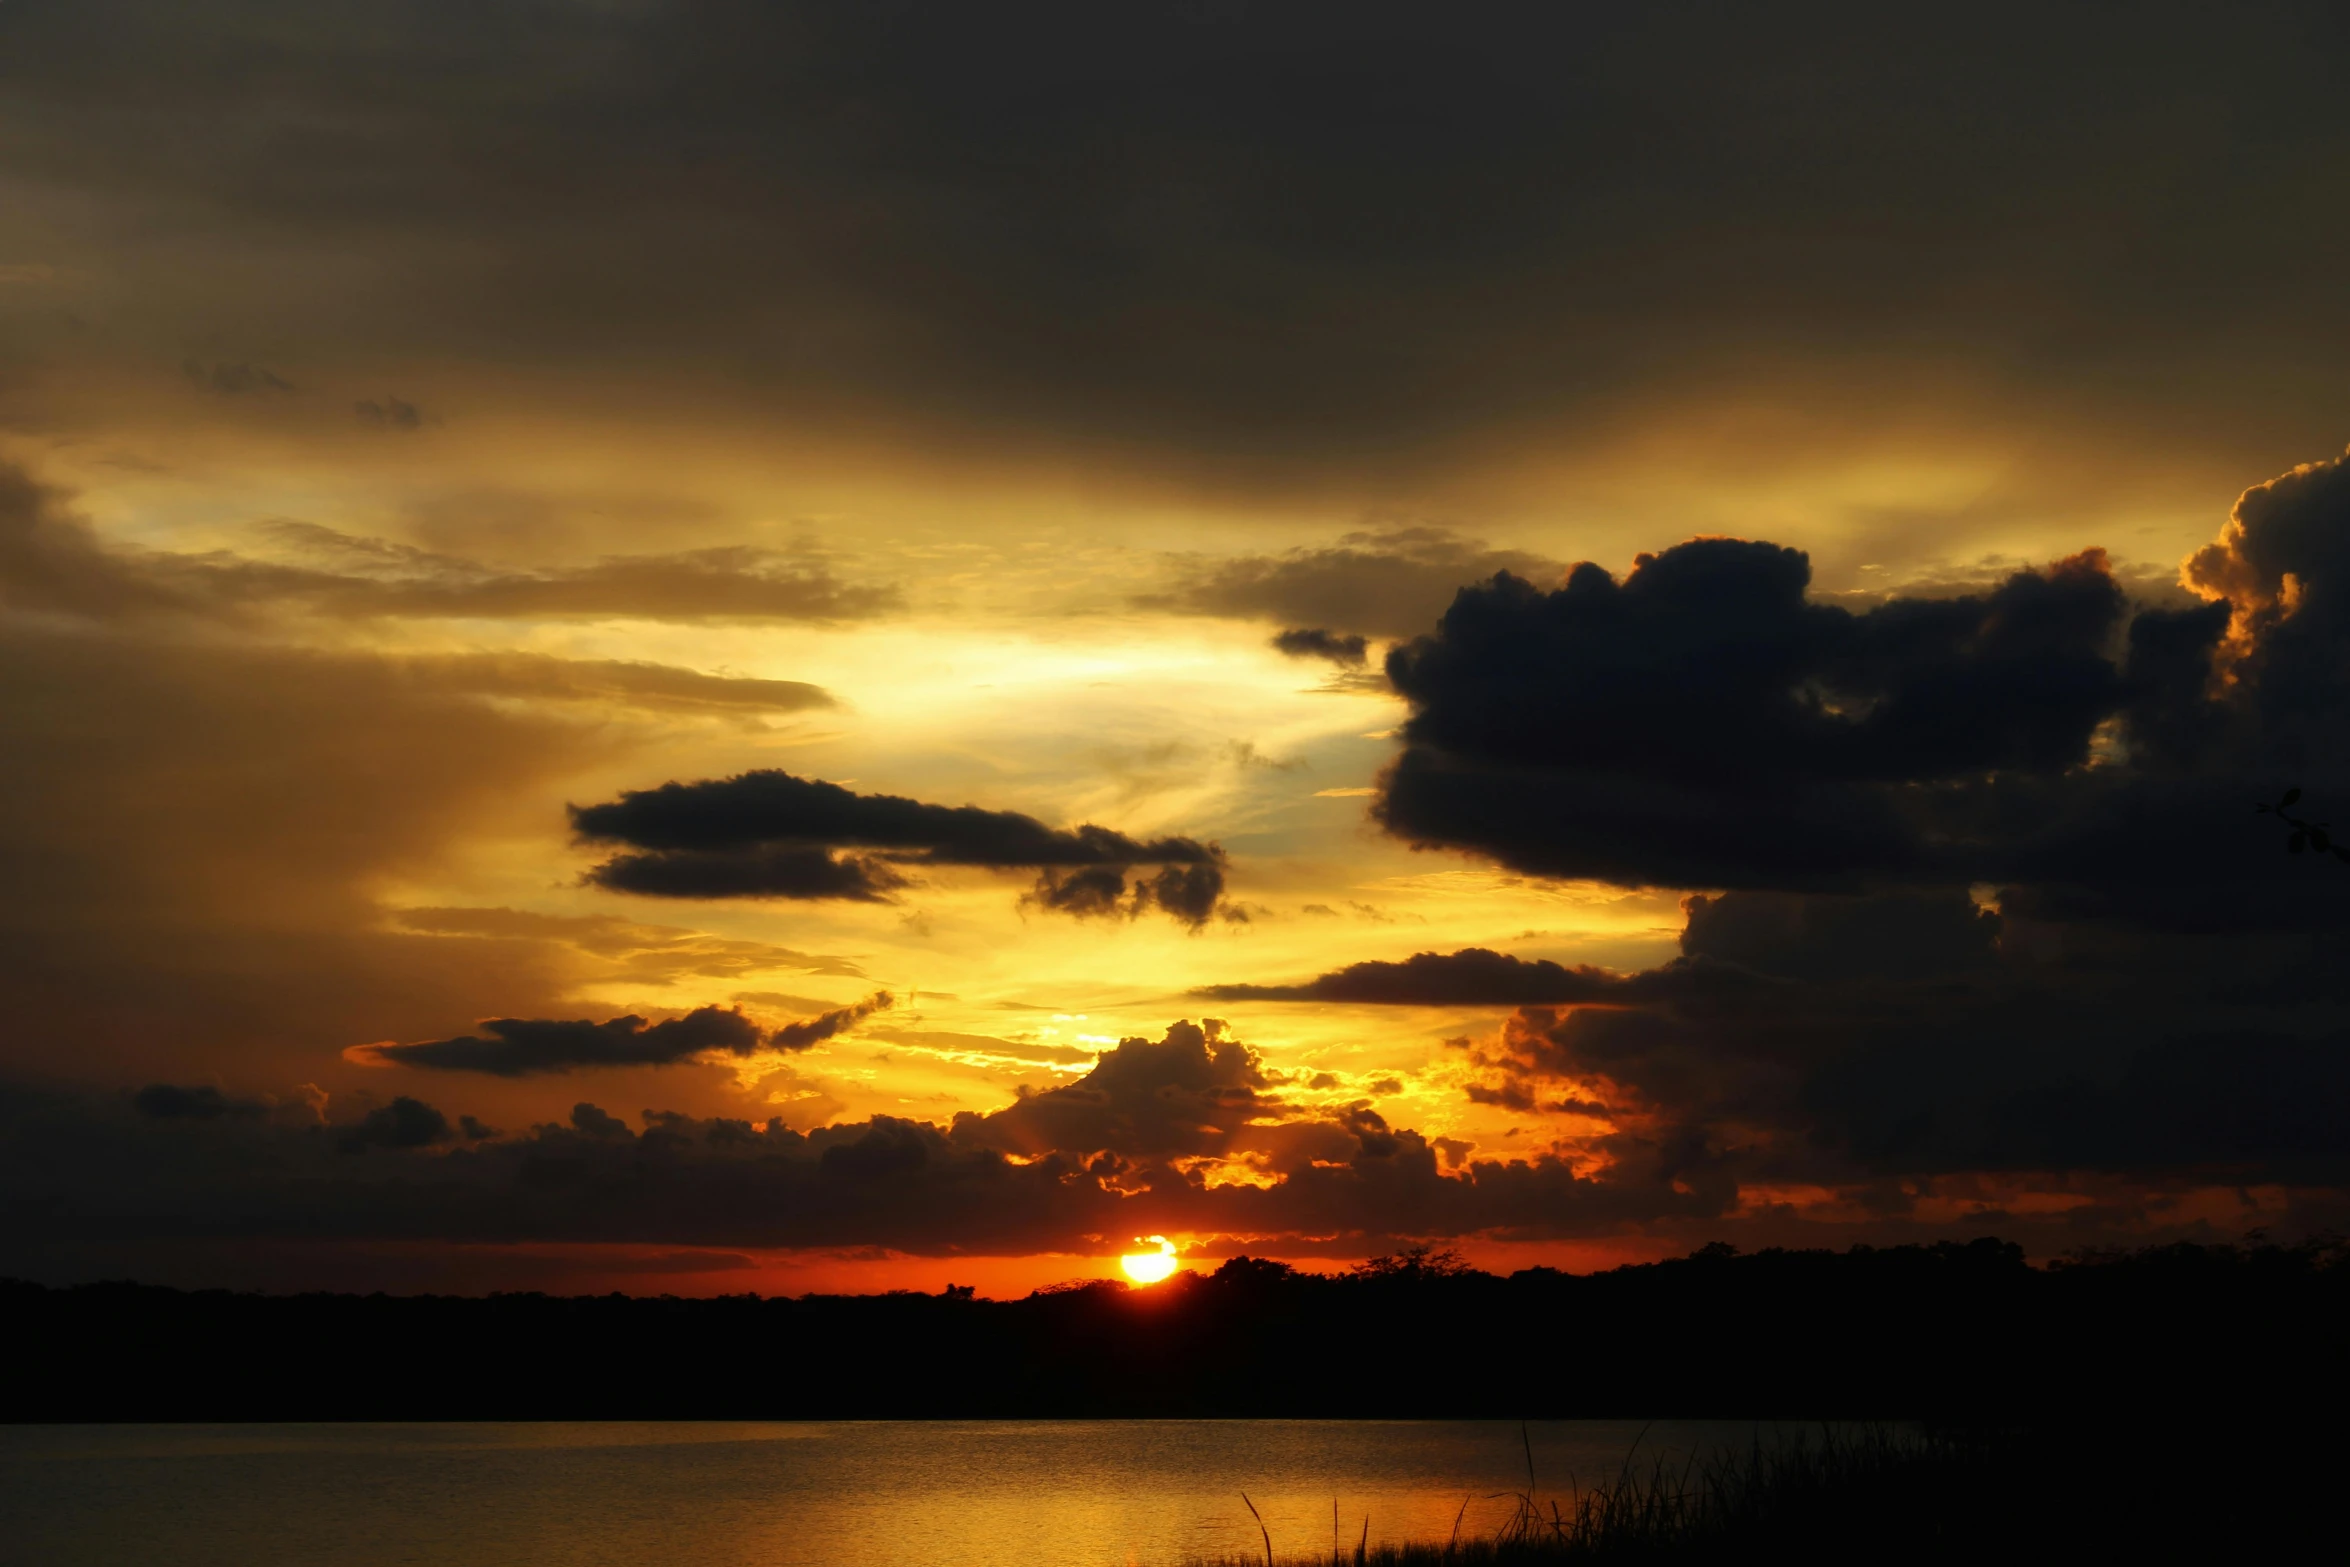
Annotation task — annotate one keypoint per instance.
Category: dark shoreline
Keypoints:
(1968, 1337)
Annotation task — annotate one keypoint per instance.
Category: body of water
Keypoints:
(777, 1494)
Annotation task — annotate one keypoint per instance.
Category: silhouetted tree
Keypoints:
(2306, 835)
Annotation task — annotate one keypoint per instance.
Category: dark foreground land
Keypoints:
(2093, 1493)
(1968, 1336)
(2182, 1404)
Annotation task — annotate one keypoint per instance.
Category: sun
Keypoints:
(1149, 1267)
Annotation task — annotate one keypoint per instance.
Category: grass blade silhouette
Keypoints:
(1261, 1529)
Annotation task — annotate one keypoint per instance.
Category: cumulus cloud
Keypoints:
(1189, 1092)
(1703, 723)
(773, 835)
(521, 1047)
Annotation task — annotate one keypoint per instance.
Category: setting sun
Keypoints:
(1149, 1267)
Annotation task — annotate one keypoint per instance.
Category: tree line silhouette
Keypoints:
(1964, 1333)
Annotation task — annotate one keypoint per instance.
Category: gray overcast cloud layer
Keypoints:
(1280, 242)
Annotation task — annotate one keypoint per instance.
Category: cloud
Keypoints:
(1232, 252)
(1187, 1093)
(1999, 914)
(1181, 1134)
(1391, 582)
(1895, 1082)
(771, 834)
(730, 583)
(755, 871)
(1706, 723)
(1746, 958)
(196, 834)
(1471, 977)
(404, 1123)
(390, 414)
(170, 1102)
(1346, 651)
(52, 560)
(650, 954)
(522, 1047)
(2282, 566)
(1703, 724)
(235, 380)
(814, 1031)
(630, 683)
(518, 1047)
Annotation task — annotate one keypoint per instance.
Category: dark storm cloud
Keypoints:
(1917, 1037)
(1892, 936)
(1330, 238)
(1702, 723)
(521, 1047)
(1348, 651)
(771, 834)
(2139, 984)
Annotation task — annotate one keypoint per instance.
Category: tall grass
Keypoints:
(1869, 1488)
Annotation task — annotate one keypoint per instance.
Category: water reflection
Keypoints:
(921, 1494)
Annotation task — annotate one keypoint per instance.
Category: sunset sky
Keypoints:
(719, 646)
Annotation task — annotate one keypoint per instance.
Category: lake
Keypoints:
(777, 1494)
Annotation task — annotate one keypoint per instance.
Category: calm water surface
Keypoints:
(912, 1493)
